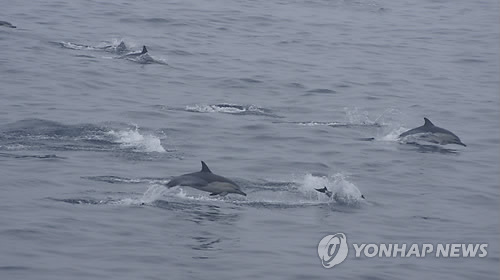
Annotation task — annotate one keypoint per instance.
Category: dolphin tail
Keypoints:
(240, 192)
(144, 50)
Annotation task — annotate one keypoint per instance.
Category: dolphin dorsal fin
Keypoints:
(428, 122)
(144, 50)
(204, 167)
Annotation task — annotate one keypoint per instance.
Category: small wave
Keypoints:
(470, 60)
(158, 20)
(322, 90)
(14, 268)
(84, 201)
(152, 194)
(353, 118)
(279, 204)
(424, 147)
(43, 134)
(113, 179)
(74, 46)
(228, 108)
(250, 80)
(337, 124)
(30, 156)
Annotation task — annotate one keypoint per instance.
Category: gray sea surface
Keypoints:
(280, 96)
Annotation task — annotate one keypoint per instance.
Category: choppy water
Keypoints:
(280, 96)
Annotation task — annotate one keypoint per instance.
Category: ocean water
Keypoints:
(280, 96)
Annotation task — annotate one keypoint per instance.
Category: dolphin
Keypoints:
(6, 24)
(135, 54)
(205, 180)
(431, 133)
(121, 48)
(330, 193)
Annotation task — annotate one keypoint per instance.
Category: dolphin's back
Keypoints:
(210, 178)
(428, 127)
(190, 180)
(431, 133)
(412, 131)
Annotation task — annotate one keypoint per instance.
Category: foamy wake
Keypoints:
(224, 108)
(153, 193)
(133, 139)
(353, 118)
(69, 45)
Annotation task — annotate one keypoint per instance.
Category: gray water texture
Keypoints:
(280, 96)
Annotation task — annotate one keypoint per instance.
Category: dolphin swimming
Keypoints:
(205, 180)
(6, 24)
(431, 133)
(135, 54)
(330, 193)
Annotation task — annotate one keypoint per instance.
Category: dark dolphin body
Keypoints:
(431, 133)
(205, 180)
(6, 24)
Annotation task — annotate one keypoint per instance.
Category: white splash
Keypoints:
(227, 108)
(313, 123)
(215, 109)
(73, 46)
(344, 191)
(154, 192)
(132, 138)
(392, 135)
